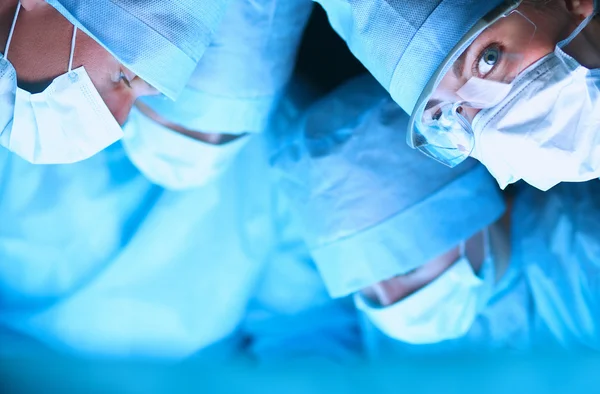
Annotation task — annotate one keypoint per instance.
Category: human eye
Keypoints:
(487, 61)
(123, 78)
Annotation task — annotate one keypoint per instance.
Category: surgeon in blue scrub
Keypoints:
(513, 83)
(538, 289)
(155, 246)
(431, 257)
(67, 82)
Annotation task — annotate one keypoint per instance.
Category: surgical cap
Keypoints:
(244, 70)
(403, 42)
(161, 41)
(373, 208)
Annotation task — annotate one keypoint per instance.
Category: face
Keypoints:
(207, 138)
(481, 76)
(40, 52)
(499, 54)
(393, 290)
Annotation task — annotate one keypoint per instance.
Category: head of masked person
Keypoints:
(234, 94)
(174, 157)
(371, 207)
(437, 301)
(512, 83)
(70, 70)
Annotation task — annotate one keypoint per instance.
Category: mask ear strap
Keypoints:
(579, 29)
(12, 30)
(73, 40)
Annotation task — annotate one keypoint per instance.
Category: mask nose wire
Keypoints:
(579, 28)
(12, 31)
(72, 54)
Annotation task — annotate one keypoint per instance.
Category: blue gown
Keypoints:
(96, 260)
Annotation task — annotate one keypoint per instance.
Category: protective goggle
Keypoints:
(477, 74)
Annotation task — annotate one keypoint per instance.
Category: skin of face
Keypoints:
(586, 46)
(207, 138)
(522, 40)
(40, 52)
(390, 291)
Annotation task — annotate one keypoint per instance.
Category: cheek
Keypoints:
(102, 68)
(100, 65)
(446, 90)
(119, 101)
(537, 50)
(470, 113)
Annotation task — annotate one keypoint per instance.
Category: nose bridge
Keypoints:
(142, 88)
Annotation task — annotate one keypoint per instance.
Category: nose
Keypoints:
(142, 88)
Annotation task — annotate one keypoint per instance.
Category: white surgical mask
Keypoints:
(444, 309)
(547, 130)
(66, 123)
(173, 160)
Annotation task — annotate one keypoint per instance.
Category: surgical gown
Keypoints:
(96, 260)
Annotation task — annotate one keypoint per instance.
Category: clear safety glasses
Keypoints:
(476, 75)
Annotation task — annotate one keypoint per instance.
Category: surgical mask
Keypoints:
(546, 130)
(173, 160)
(444, 309)
(66, 123)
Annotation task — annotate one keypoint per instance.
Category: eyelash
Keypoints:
(474, 69)
(123, 78)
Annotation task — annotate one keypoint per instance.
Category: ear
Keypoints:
(580, 9)
(31, 4)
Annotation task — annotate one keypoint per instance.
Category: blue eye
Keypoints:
(488, 60)
(125, 80)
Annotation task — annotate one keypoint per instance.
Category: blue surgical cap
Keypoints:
(162, 41)
(238, 83)
(403, 42)
(372, 207)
